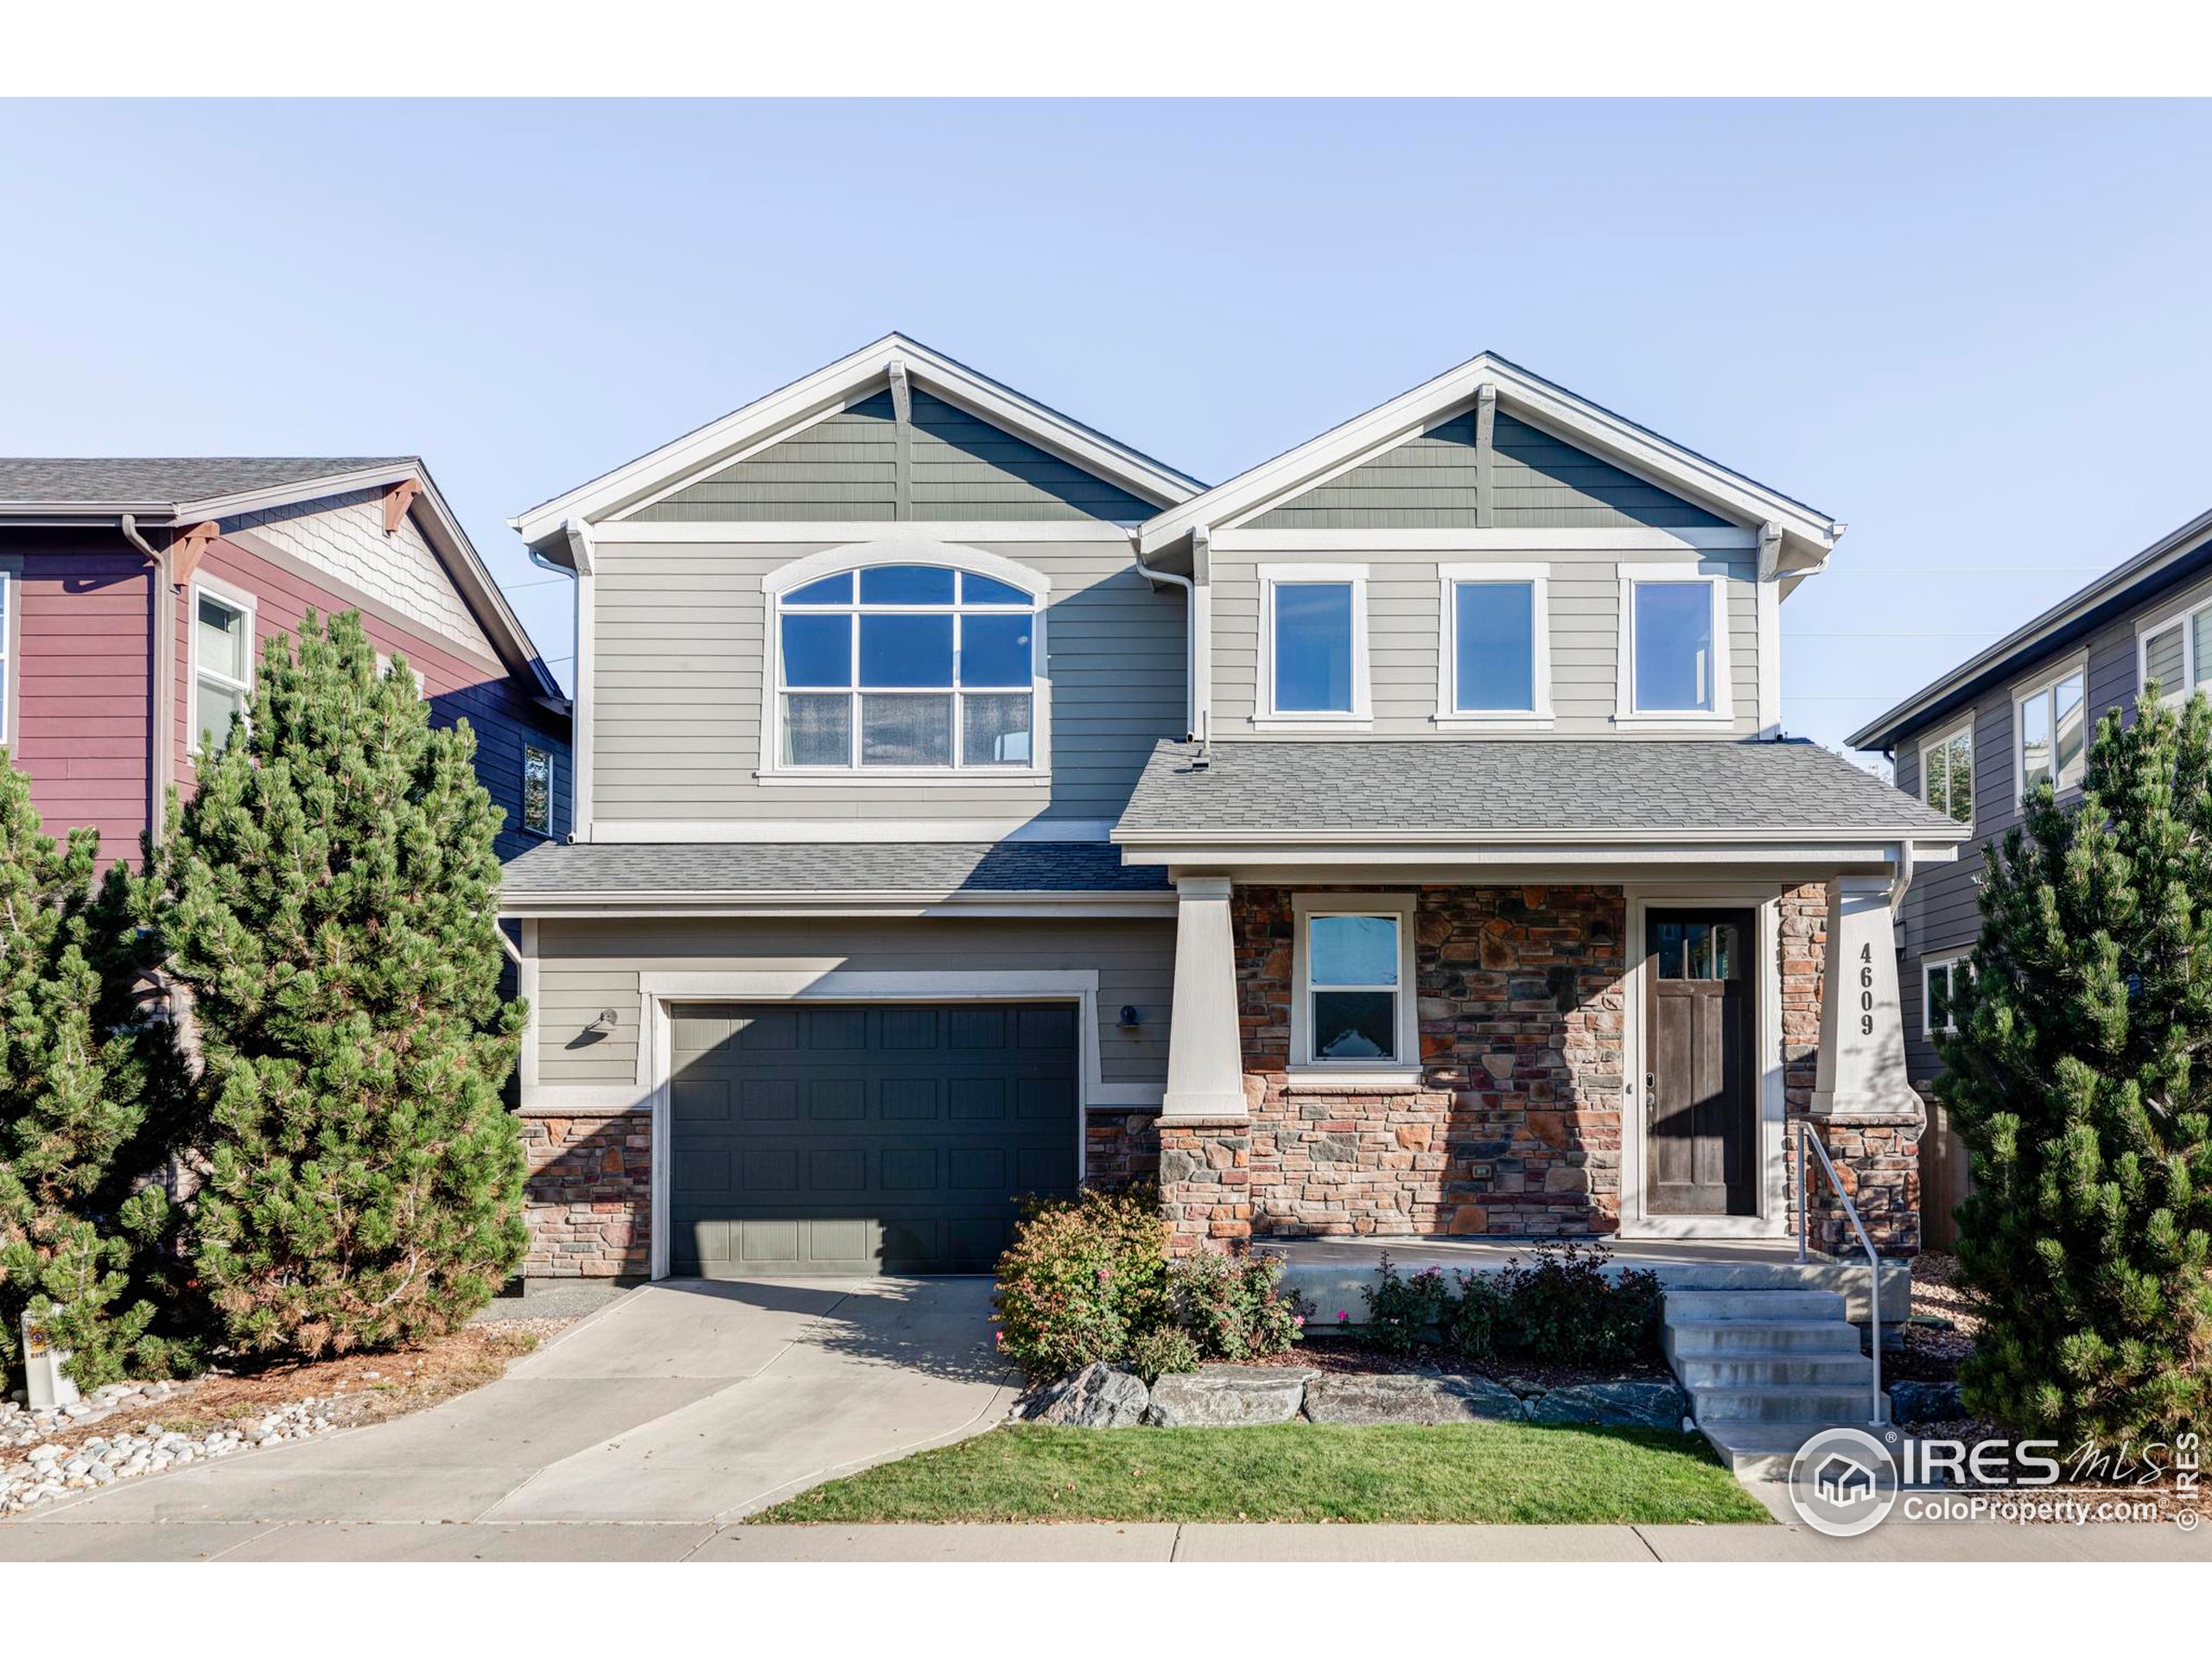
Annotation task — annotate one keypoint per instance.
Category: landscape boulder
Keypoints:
(1098, 1396)
(1228, 1396)
(1626, 1404)
(1926, 1403)
(1410, 1398)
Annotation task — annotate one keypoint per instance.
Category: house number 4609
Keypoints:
(1865, 990)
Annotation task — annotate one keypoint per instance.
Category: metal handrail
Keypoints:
(1806, 1138)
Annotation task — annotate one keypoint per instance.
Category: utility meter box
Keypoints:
(46, 1370)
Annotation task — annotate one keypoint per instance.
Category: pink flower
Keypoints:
(1343, 1317)
(1298, 1319)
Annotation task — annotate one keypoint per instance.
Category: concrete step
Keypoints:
(1687, 1339)
(1703, 1304)
(1776, 1369)
(1815, 1404)
(1760, 1450)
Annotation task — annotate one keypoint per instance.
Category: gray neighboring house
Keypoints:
(2028, 707)
(1396, 839)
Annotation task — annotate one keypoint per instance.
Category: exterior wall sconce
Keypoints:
(603, 1027)
(1128, 1016)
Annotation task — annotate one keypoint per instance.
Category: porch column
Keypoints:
(1861, 1071)
(1206, 1066)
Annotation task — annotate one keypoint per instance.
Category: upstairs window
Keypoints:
(1941, 982)
(2053, 730)
(1496, 654)
(537, 790)
(1946, 774)
(222, 668)
(907, 667)
(1676, 632)
(2176, 652)
(1315, 628)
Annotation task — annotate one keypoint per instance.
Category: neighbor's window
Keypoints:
(2053, 733)
(1939, 982)
(1494, 647)
(1314, 628)
(1946, 774)
(222, 669)
(1672, 647)
(1352, 988)
(2178, 655)
(537, 790)
(907, 666)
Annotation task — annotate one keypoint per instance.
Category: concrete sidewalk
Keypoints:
(249, 1542)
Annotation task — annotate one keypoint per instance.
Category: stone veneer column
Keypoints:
(1205, 1143)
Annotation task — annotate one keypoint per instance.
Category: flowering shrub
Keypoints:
(1084, 1279)
(1401, 1310)
(1479, 1321)
(1161, 1351)
(1565, 1306)
(1234, 1306)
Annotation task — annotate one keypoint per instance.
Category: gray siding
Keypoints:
(847, 469)
(585, 967)
(1539, 482)
(681, 640)
(1403, 637)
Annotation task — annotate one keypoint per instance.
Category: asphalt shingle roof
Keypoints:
(1520, 786)
(850, 866)
(81, 481)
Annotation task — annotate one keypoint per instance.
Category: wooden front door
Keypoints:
(1701, 1142)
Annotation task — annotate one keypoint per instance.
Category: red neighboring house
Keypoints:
(135, 594)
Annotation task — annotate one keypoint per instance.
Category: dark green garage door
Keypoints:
(890, 1138)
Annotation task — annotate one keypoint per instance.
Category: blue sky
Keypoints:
(1976, 331)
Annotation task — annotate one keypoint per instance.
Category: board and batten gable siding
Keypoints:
(1539, 482)
(681, 647)
(588, 966)
(1403, 643)
(846, 468)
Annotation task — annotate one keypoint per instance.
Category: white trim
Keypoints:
(1036, 906)
(2193, 672)
(1772, 1221)
(583, 1099)
(1962, 727)
(1406, 1066)
(968, 533)
(835, 383)
(906, 549)
(1768, 597)
(1625, 713)
(1361, 713)
(1485, 540)
(527, 983)
(1928, 1029)
(8, 600)
(1598, 430)
(1449, 716)
(242, 604)
(1026, 827)
(2075, 666)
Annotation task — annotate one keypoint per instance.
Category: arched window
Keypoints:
(907, 667)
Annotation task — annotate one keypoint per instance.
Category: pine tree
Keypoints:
(2080, 1080)
(88, 1093)
(335, 896)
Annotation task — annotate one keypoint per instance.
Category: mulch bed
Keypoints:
(1348, 1356)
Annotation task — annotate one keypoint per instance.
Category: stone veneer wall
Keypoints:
(1120, 1148)
(588, 1197)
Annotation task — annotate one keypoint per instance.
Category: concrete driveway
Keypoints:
(685, 1402)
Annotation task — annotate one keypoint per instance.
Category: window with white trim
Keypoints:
(1354, 1007)
(1497, 655)
(537, 790)
(384, 667)
(1946, 774)
(7, 660)
(2176, 652)
(2051, 723)
(1315, 629)
(1939, 980)
(222, 668)
(907, 667)
(1675, 630)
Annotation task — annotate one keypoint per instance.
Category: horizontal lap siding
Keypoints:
(843, 467)
(1403, 594)
(681, 647)
(967, 470)
(586, 968)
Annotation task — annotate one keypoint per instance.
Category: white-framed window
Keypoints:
(1493, 645)
(7, 656)
(2050, 731)
(1947, 772)
(1939, 977)
(907, 668)
(1674, 647)
(1312, 644)
(1354, 1007)
(222, 665)
(384, 667)
(2177, 651)
(537, 790)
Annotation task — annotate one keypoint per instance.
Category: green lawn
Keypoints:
(1293, 1471)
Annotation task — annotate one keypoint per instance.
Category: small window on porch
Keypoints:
(1941, 983)
(1355, 1000)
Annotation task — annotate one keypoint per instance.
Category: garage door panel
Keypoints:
(857, 1139)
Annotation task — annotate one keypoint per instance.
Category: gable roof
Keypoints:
(834, 387)
(2173, 557)
(176, 492)
(1808, 533)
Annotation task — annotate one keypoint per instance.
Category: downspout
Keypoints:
(1902, 884)
(1195, 699)
(163, 619)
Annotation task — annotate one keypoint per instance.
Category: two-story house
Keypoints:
(135, 595)
(1396, 839)
(1973, 741)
